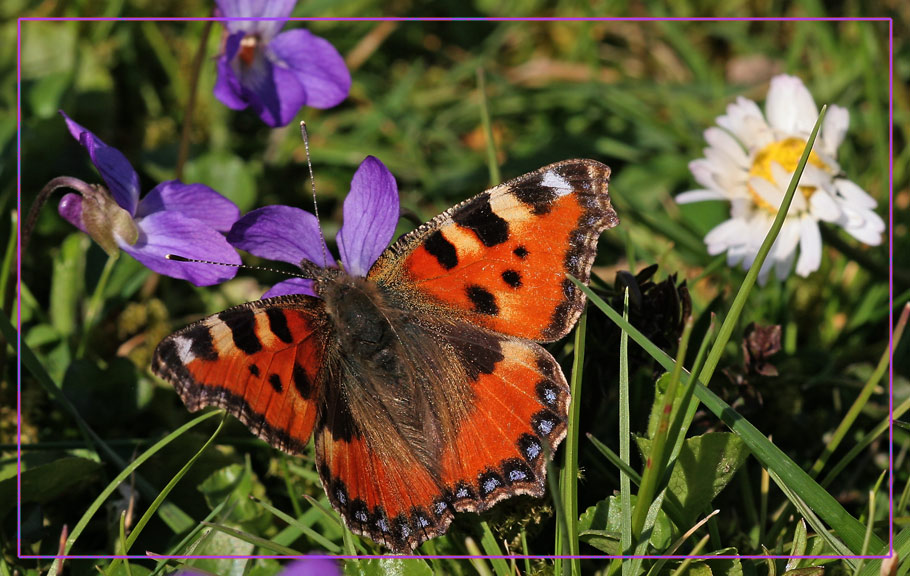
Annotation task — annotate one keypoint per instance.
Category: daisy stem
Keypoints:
(492, 163)
(183, 151)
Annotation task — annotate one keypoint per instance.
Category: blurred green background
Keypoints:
(635, 95)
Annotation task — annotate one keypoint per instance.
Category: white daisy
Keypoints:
(750, 160)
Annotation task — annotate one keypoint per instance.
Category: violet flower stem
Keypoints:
(191, 100)
(49, 188)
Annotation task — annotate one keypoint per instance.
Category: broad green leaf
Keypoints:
(600, 526)
(217, 543)
(48, 481)
(387, 567)
(697, 568)
(705, 466)
(226, 173)
(67, 281)
(238, 483)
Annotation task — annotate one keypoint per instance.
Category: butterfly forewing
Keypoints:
(500, 259)
(262, 361)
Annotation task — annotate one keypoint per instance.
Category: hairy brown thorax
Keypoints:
(395, 372)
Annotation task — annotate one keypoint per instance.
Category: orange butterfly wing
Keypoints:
(500, 259)
(517, 413)
(261, 361)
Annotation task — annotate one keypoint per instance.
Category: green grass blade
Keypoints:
(491, 548)
(122, 476)
(330, 546)
(839, 548)
(826, 506)
(153, 507)
(569, 476)
(625, 441)
(654, 465)
(263, 543)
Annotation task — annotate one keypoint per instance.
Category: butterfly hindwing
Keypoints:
(500, 259)
(516, 408)
(261, 361)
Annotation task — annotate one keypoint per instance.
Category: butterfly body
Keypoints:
(422, 383)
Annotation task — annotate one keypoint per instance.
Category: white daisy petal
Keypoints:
(854, 194)
(790, 107)
(699, 196)
(703, 172)
(728, 145)
(785, 248)
(833, 129)
(810, 246)
(782, 178)
(722, 236)
(744, 120)
(767, 191)
(824, 207)
(866, 226)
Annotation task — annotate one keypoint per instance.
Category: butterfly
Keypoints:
(423, 383)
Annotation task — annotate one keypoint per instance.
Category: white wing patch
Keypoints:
(556, 183)
(184, 346)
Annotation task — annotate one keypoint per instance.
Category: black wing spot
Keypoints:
(242, 324)
(530, 447)
(512, 278)
(301, 381)
(521, 252)
(254, 370)
(201, 344)
(275, 381)
(483, 300)
(488, 226)
(278, 324)
(535, 195)
(444, 251)
(489, 482)
(515, 470)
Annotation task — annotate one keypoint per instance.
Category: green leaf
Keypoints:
(705, 466)
(218, 543)
(226, 173)
(600, 526)
(696, 569)
(67, 281)
(387, 567)
(47, 482)
(238, 483)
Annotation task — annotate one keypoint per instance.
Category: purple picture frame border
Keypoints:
(438, 19)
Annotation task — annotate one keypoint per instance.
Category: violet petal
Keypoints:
(227, 86)
(163, 233)
(314, 567)
(281, 233)
(370, 216)
(193, 200)
(318, 66)
(274, 93)
(115, 169)
(292, 286)
(70, 208)
(266, 29)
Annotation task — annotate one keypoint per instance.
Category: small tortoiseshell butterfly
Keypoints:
(422, 384)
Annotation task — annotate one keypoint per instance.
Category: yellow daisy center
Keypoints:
(786, 153)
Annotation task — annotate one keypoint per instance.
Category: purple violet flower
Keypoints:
(292, 235)
(276, 74)
(174, 218)
(302, 567)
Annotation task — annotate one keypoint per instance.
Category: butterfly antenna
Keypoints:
(178, 258)
(306, 147)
